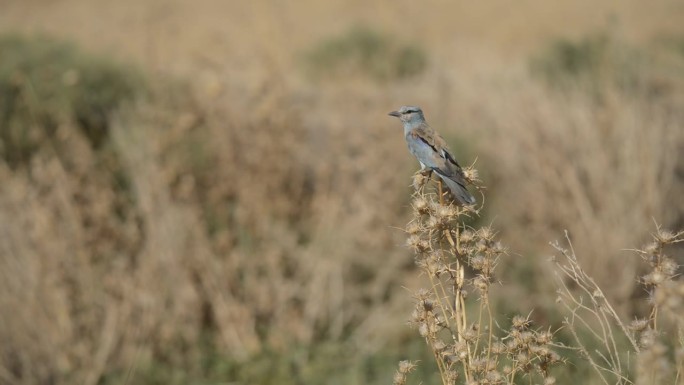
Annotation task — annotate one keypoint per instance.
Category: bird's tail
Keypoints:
(459, 191)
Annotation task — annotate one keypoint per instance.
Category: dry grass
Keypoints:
(469, 346)
(193, 219)
(193, 248)
(611, 165)
(644, 351)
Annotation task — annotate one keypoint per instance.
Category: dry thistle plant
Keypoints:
(468, 345)
(649, 358)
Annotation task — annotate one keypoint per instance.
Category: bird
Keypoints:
(433, 153)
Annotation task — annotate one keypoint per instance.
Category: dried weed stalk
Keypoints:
(460, 328)
(592, 319)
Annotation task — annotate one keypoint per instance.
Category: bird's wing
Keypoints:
(430, 137)
(432, 151)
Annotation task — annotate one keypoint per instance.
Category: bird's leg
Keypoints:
(439, 188)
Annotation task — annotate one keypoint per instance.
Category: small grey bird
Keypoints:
(432, 152)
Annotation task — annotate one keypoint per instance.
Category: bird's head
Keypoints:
(409, 115)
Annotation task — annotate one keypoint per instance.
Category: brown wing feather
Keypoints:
(429, 135)
(447, 166)
(435, 140)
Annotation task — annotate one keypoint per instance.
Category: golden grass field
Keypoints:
(240, 215)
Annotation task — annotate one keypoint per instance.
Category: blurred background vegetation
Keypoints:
(211, 192)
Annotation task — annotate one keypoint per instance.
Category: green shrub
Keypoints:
(593, 61)
(46, 83)
(362, 51)
(319, 363)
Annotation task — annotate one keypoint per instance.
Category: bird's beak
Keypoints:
(394, 113)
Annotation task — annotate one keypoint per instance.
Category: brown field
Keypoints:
(241, 219)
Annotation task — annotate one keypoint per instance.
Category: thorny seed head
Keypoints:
(479, 364)
(648, 338)
(461, 349)
(477, 262)
(520, 322)
(553, 357)
(668, 266)
(481, 246)
(651, 248)
(399, 378)
(484, 263)
(467, 236)
(523, 358)
(498, 348)
(413, 228)
(451, 377)
(653, 278)
(544, 337)
(550, 381)
(498, 248)
(470, 174)
(423, 330)
(481, 284)
(494, 377)
(513, 345)
(638, 325)
(419, 180)
(427, 304)
(486, 233)
(413, 241)
(665, 236)
(406, 366)
(527, 337)
(433, 264)
(439, 345)
(507, 370)
(539, 351)
(418, 244)
(445, 212)
(420, 205)
(433, 223)
(471, 334)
